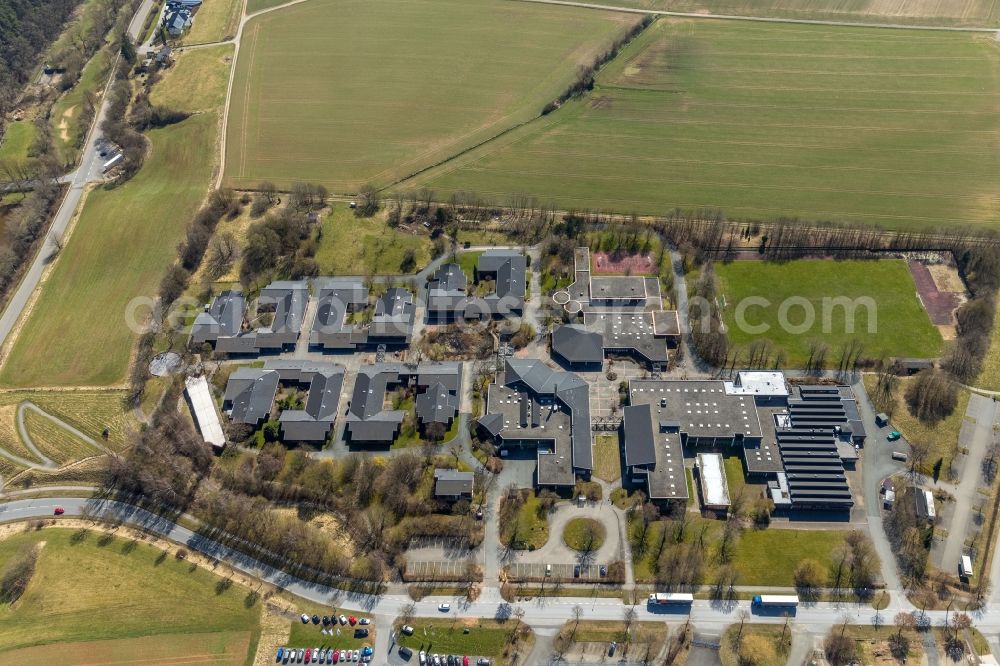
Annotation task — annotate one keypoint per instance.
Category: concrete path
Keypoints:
(763, 19)
(984, 412)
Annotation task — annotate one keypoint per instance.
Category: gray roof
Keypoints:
(449, 277)
(367, 420)
(536, 415)
(509, 268)
(452, 483)
(629, 332)
(617, 287)
(637, 423)
(576, 344)
(315, 421)
(224, 318)
(250, 394)
(437, 405)
(394, 316)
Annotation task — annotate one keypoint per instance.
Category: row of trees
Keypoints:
(17, 573)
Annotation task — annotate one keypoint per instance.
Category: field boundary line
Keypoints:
(762, 19)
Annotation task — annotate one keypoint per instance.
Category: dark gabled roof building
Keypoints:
(250, 392)
(288, 300)
(653, 454)
(250, 395)
(393, 320)
(509, 270)
(533, 405)
(338, 298)
(222, 319)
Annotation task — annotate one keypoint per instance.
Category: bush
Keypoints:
(932, 395)
(18, 573)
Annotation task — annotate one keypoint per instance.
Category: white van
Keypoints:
(965, 567)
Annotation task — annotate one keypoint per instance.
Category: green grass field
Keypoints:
(353, 246)
(762, 557)
(122, 244)
(902, 327)
(97, 589)
(852, 125)
(584, 534)
(216, 20)
(448, 636)
(353, 91)
(65, 115)
(197, 81)
(974, 13)
(17, 139)
(530, 530)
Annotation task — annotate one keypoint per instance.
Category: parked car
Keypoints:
(308, 656)
(343, 655)
(483, 661)
(444, 607)
(422, 657)
(894, 435)
(364, 620)
(361, 632)
(343, 619)
(58, 511)
(465, 660)
(281, 653)
(355, 655)
(436, 660)
(407, 629)
(405, 652)
(315, 619)
(305, 619)
(336, 657)
(352, 620)
(326, 620)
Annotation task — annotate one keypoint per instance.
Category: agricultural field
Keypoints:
(133, 229)
(975, 13)
(122, 598)
(851, 125)
(349, 92)
(888, 283)
(89, 411)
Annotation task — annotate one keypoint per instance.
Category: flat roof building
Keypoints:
(206, 418)
(532, 405)
(653, 454)
(453, 484)
(712, 481)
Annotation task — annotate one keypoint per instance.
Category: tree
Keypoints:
(407, 613)
(904, 621)
(810, 576)
(368, 201)
(17, 574)
(840, 648)
(409, 261)
(576, 613)
(932, 395)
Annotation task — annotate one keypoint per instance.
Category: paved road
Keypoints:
(984, 411)
(89, 171)
(708, 615)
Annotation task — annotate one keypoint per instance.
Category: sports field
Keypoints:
(901, 325)
(125, 239)
(91, 588)
(975, 13)
(345, 92)
(896, 128)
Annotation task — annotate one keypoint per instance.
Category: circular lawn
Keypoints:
(584, 534)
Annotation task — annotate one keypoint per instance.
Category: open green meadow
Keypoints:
(353, 246)
(901, 325)
(853, 125)
(215, 21)
(77, 333)
(64, 118)
(17, 139)
(975, 13)
(353, 91)
(90, 587)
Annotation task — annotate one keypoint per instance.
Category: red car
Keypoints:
(353, 620)
(59, 511)
(308, 655)
(336, 656)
